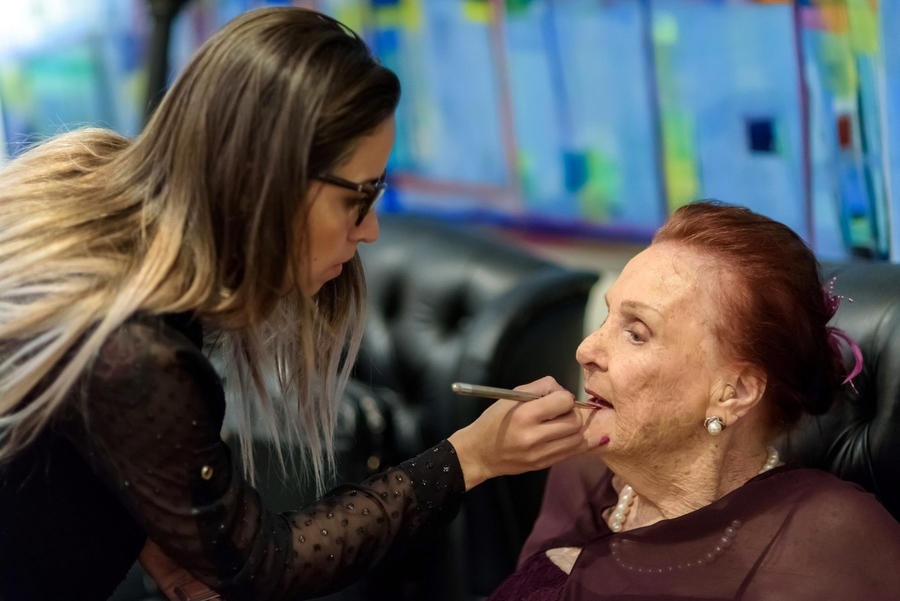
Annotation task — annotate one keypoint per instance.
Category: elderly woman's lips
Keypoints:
(600, 402)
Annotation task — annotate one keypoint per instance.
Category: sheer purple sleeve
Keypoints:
(148, 419)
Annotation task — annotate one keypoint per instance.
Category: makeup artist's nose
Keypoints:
(368, 230)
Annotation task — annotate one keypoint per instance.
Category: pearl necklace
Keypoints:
(626, 498)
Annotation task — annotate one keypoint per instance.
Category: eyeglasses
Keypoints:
(371, 191)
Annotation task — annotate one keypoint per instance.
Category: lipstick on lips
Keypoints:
(597, 400)
(595, 403)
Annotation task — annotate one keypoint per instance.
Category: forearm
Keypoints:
(333, 541)
(360, 525)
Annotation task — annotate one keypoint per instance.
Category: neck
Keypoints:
(686, 482)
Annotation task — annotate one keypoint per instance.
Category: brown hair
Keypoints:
(773, 313)
(198, 214)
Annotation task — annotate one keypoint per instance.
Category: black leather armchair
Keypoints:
(859, 439)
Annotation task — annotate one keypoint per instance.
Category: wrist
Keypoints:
(474, 470)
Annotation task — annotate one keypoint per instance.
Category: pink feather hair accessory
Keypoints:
(837, 335)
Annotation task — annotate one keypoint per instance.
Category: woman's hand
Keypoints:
(513, 437)
(176, 583)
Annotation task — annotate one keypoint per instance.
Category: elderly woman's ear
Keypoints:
(740, 394)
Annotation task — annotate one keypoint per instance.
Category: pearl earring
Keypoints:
(714, 425)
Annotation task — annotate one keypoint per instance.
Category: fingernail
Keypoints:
(604, 440)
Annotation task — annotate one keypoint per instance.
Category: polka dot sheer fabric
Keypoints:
(148, 420)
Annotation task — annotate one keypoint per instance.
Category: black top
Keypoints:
(137, 452)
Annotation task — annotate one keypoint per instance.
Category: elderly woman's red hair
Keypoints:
(775, 287)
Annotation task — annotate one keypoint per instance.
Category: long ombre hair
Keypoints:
(196, 215)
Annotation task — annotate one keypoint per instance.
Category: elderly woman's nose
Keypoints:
(591, 352)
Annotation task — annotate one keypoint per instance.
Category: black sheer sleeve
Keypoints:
(148, 417)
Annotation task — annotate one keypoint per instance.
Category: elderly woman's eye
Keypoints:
(636, 336)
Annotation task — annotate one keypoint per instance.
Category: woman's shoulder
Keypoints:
(834, 539)
(145, 345)
(815, 483)
(834, 507)
(176, 331)
(149, 364)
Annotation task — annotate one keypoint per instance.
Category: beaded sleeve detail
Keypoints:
(148, 420)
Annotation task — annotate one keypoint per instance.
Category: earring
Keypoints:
(714, 425)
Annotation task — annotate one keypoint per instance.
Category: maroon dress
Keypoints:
(790, 533)
(537, 579)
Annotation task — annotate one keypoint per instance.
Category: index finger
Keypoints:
(543, 386)
(550, 406)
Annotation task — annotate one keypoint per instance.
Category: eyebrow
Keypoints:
(634, 305)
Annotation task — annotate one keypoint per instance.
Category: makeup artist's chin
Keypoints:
(315, 283)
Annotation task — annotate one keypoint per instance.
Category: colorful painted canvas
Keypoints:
(65, 65)
(581, 117)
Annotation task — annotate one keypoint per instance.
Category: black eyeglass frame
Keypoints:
(373, 191)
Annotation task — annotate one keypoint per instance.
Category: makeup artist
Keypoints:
(716, 343)
(233, 218)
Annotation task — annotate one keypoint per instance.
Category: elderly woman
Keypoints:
(716, 343)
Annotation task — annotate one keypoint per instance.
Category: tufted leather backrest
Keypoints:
(447, 304)
(859, 438)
